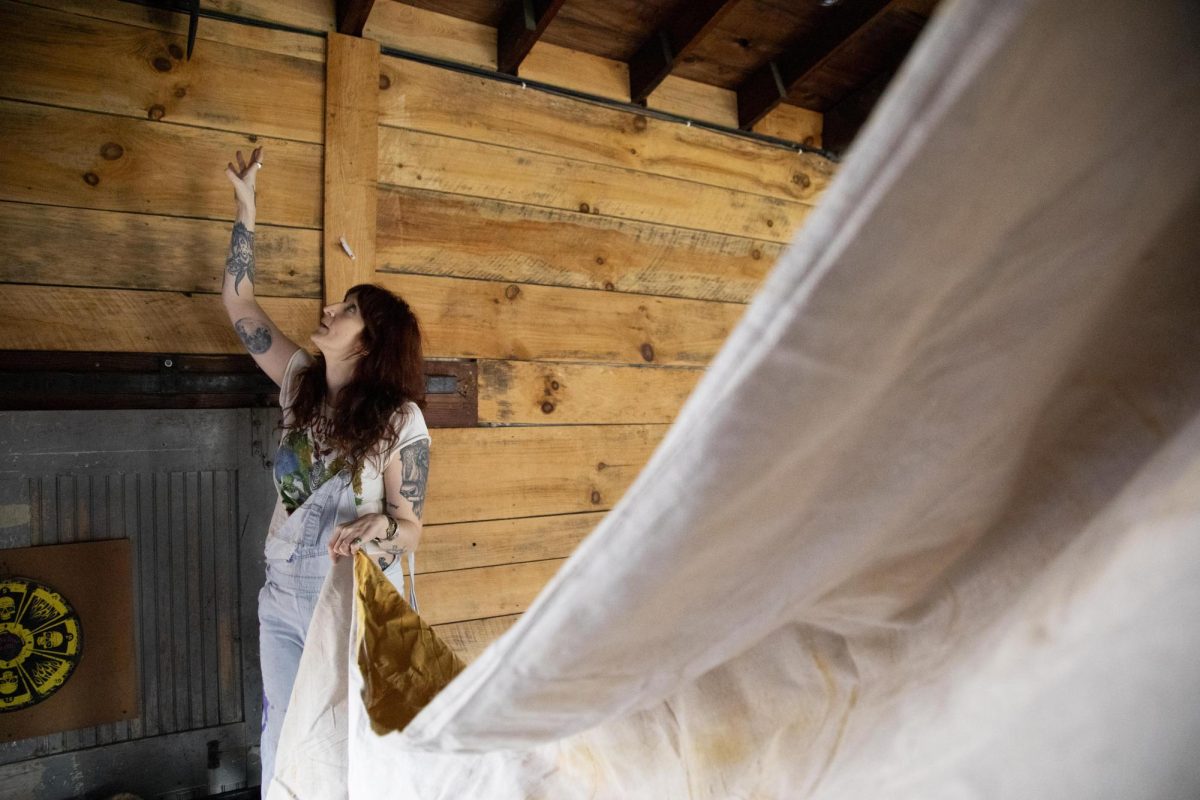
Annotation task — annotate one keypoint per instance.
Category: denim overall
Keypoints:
(297, 563)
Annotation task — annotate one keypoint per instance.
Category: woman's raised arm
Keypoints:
(270, 348)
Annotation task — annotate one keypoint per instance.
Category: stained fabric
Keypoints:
(930, 525)
(402, 662)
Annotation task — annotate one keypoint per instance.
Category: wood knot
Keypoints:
(639, 123)
(770, 223)
(385, 82)
(595, 498)
(547, 407)
(111, 151)
(600, 260)
(802, 180)
(743, 43)
(175, 50)
(512, 291)
(756, 254)
(180, 91)
(584, 207)
(156, 112)
(609, 285)
(162, 64)
(554, 385)
(647, 352)
(91, 178)
(601, 466)
(809, 141)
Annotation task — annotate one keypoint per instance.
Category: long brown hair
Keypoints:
(390, 373)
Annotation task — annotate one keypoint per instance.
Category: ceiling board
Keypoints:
(751, 34)
(877, 48)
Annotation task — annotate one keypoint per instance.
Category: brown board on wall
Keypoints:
(95, 578)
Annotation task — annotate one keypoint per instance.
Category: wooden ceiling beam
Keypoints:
(658, 55)
(352, 16)
(522, 25)
(771, 83)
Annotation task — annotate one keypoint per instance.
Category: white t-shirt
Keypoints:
(303, 461)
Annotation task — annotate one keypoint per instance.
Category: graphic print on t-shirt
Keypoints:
(302, 464)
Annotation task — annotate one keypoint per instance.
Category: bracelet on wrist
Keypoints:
(391, 528)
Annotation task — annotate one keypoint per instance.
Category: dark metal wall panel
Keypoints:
(191, 491)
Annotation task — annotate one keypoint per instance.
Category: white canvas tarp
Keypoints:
(930, 525)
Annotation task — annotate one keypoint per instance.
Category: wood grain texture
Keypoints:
(77, 158)
(288, 43)
(470, 594)
(504, 114)
(794, 124)
(507, 541)
(503, 473)
(53, 245)
(471, 638)
(66, 60)
(60, 318)
(314, 15)
(418, 30)
(539, 393)
(351, 162)
(420, 160)
(433, 233)
(482, 319)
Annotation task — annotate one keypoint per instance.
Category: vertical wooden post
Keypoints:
(351, 161)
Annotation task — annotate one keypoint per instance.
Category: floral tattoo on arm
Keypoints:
(240, 262)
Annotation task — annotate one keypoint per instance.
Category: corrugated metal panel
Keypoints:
(184, 529)
(171, 482)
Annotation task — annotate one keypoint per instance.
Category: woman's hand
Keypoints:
(244, 178)
(350, 537)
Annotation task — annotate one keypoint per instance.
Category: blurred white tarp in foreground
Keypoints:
(930, 526)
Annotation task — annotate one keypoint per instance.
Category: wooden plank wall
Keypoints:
(592, 259)
(114, 210)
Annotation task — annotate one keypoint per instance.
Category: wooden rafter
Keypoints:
(352, 16)
(521, 26)
(770, 84)
(659, 54)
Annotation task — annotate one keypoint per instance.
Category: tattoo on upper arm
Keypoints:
(414, 464)
(254, 334)
(240, 263)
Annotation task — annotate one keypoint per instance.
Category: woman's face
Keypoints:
(339, 334)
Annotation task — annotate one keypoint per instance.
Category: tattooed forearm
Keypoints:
(414, 461)
(254, 334)
(240, 263)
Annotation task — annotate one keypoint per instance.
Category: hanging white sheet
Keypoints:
(930, 525)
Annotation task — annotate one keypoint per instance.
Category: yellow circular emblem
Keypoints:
(41, 641)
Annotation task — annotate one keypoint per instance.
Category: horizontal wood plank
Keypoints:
(434, 233)
(313, 15)
(471, 594)
(482, 319)
(471, 638)
(502, 473)
(54, 245)
(59, 318)
(504, 114)
(425, 161)
(467, 545)
(63, 59)
(533, 393)
(73, 158)
(271, 40)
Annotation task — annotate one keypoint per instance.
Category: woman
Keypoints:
(354, 457)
